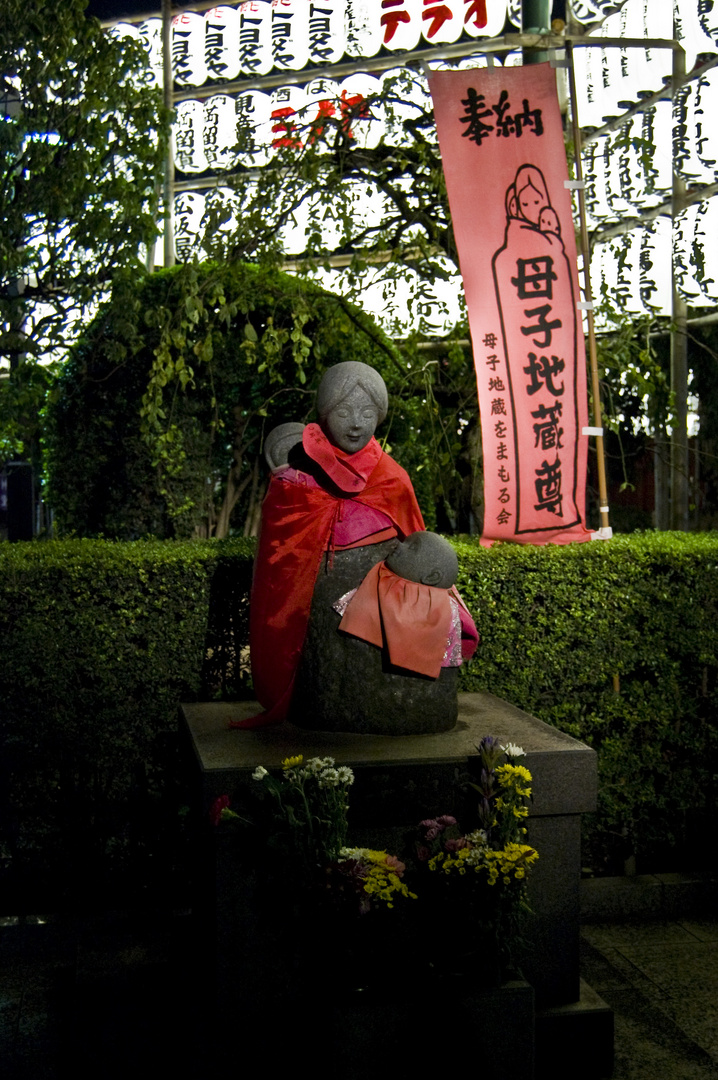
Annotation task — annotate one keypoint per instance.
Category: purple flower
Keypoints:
(446, 820)
(423, 853)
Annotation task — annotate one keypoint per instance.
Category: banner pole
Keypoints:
(588, 297)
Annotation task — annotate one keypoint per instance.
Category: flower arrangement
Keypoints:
(310, 826)
(374, 876)
(311, 805)
(478, 877)
(493, 861)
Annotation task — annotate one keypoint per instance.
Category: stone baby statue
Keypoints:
(335, 506)
(381, 656)
(407, 605)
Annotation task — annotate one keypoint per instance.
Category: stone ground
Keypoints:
(109, 994)
(661, 980)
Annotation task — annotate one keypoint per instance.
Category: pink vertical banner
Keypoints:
(501, 141)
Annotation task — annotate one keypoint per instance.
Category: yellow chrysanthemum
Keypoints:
(292, 762)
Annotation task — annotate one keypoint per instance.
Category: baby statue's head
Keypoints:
(280, 442)
(425, 557)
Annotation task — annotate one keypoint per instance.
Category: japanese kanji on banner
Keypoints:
(501, 141)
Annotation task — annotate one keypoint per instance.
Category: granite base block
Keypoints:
(401, 780)
(575, 1039)
(398, 782)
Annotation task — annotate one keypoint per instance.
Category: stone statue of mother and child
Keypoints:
(355, 624)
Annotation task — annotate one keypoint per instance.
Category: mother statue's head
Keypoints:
(351, 401)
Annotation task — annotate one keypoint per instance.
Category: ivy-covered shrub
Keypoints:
(157, 421)
(616, 643)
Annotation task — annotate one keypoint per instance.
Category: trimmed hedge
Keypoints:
(100, 641)
(616, 643)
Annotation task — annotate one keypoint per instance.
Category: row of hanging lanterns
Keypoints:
(610, 80)
(248, 129)
(628, 171)
(633, 271)
(263, 36)
(258, 37)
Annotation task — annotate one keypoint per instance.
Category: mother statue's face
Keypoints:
(352, 422)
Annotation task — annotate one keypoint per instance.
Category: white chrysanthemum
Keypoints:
(346, 775)
(259, 773)
(315, 765)
(512, 750)
(328, 778)
(478, 838)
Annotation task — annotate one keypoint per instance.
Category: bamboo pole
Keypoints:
(588, 297)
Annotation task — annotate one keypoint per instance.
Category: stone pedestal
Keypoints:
(398, 782)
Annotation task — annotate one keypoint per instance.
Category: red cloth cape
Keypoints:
(412, 619)
(297, 526)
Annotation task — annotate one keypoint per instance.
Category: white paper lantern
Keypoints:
(495, 19)
(657, 63)
(708, 17)
(220, 131)
(709, 229)
(589, 90)
(151, 35)
(323, 104)
(703, 242)
(689, 122)
(254, 130)
(290, 34)
(364, 33)
(286, 124)
(609, 83)
(293, 233)
(705, 112)
(188, 66)
(188, 137)
(589, 11)
(369, 124)
(327, 31)
(632, 173)
(188, 214)
(621, 166)
(657, 132)
(228, 204)
(324, 225)
(401, 22)
(124, 30)
(221, 43)
(593, 160)
(405, 97)
(254, 38)
(686, 270)
(627, 252)
(616, 274)
(655, 267)
(408, 303)
(442, 21)
(603, 275)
